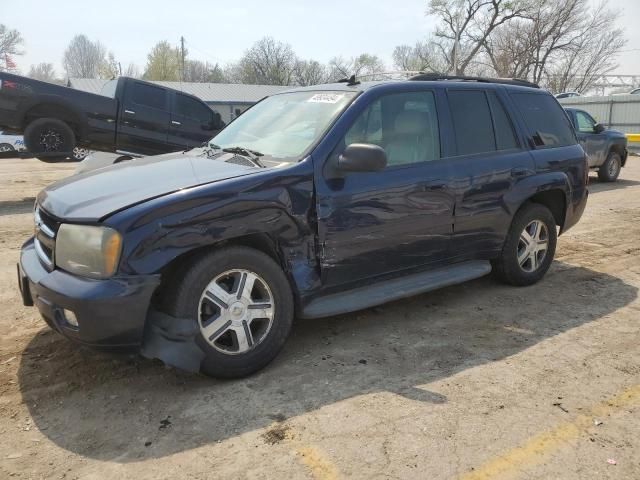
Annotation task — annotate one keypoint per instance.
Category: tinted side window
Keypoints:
(191, 108)
(149, 96)
(404, 124)
(585, 122)
(471, 121)
(546, 121)
(505, 136)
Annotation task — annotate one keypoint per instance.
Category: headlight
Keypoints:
(86, 250)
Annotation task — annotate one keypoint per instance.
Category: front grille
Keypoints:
(45, 237)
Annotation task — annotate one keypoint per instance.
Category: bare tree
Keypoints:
(197, 71)
(310, 72)
(267, 62)
(423, 57)
(564, 44)
(132, 71)
(465, 25)
(363, 64)
(163, 63)
(10, 43)
(44, 72)
(591, 54)
(84, 58)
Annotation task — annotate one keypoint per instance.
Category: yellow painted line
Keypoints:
(534, 449)
(320, 467)
(633, 137)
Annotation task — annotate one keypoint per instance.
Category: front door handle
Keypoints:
(173, 122)
(520, 172)
(434, 185)
(130, 112)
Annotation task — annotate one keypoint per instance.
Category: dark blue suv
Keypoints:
(315, 202)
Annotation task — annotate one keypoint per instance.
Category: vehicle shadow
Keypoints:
(596, 185)
(15, 207)
(126, 409)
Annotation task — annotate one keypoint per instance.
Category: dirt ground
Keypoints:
(477, 381)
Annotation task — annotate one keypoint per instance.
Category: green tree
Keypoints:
(163, 63)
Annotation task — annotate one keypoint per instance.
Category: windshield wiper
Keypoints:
(246, 152)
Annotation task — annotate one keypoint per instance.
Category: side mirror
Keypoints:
(362, 157)
(598, 128)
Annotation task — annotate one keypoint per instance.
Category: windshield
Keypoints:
(284, 126)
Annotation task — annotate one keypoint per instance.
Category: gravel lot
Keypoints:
(475, 381)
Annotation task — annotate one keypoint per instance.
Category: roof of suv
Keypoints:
(436, 81)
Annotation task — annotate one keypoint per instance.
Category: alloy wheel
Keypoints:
(51, 140)
(236, 311)
(532, 246)
(613, 167)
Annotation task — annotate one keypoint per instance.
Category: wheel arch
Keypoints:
(54, 108)
(551, 190)
(620, 149)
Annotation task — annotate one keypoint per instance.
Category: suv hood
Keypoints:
(94, 195)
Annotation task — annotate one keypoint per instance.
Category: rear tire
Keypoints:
(529, 247)
(49, 135)
(6, 147)
(246, 335)
(610, 169)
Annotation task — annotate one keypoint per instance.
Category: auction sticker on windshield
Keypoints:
(326, 98)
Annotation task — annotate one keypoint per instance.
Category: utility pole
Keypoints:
(182, 56)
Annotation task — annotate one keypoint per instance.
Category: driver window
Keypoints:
(585, 122)
(404, 124)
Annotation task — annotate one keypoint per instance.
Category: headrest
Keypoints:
(411, 123)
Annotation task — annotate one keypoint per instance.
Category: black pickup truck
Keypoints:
(129, 116)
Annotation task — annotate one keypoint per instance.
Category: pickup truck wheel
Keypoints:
(49, 135)
(529, 248)
(243, 306)
(610, 169)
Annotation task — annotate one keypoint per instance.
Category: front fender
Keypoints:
(276, 204)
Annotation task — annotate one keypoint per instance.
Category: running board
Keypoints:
(389, 290)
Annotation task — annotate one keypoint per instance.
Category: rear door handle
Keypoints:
(130, 112)
(173, 122)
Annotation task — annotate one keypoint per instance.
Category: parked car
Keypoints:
(11, 143)
(315, 202)
(15, 143)
(130, 116)
(606, 149)
(567, 95)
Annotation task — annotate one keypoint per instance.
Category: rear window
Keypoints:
(546, 121)
(149, 96)
(480, 122)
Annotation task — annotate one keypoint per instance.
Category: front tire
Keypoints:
(610, 169)
(529, 248)
(49, 136)
(243, 305)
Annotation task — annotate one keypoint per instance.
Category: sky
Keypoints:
(220, 31)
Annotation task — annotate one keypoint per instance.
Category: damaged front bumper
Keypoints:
(109, 313)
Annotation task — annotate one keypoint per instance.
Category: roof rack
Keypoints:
(505, 81)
